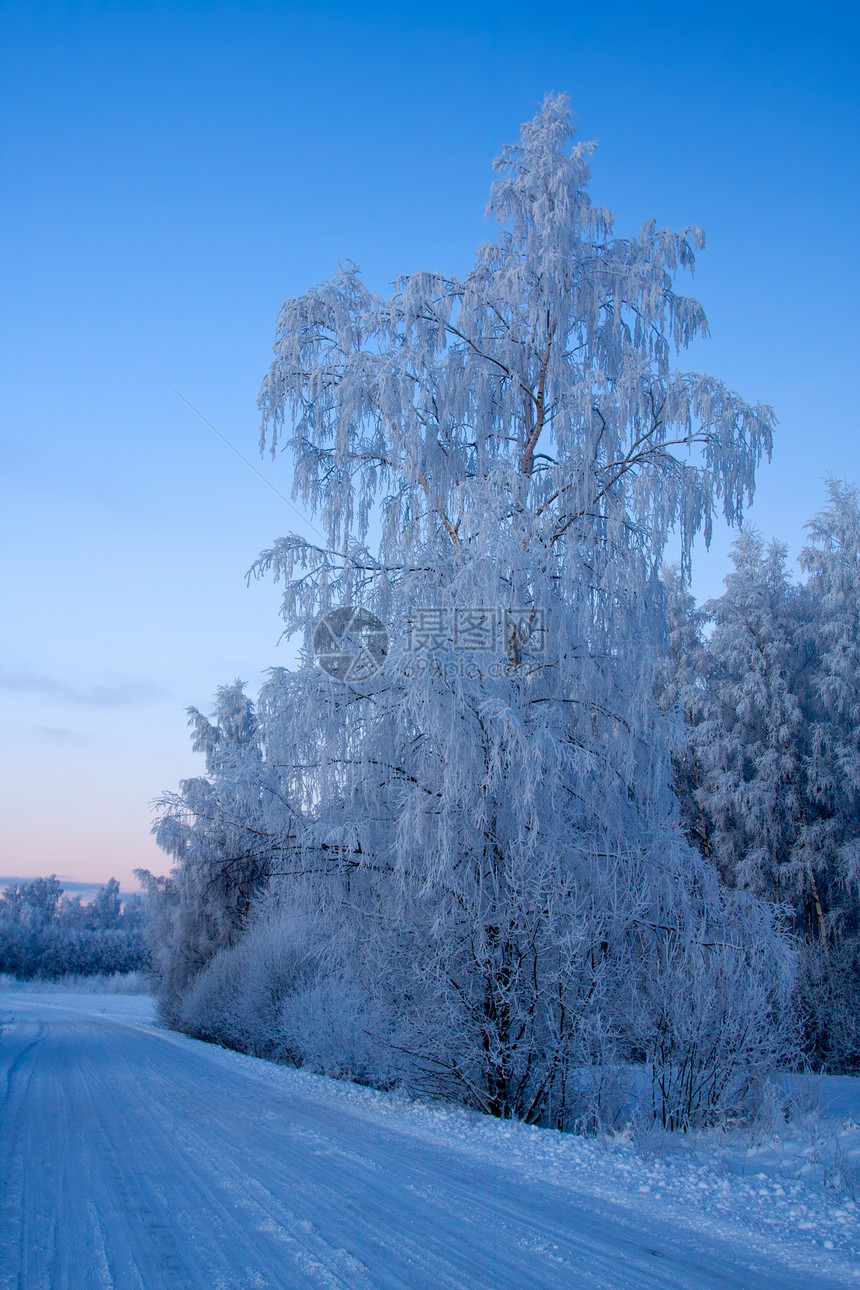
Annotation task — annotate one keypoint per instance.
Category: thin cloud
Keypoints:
(119, 694)
(61, 735)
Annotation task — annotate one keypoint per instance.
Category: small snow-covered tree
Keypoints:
(222, 830)
(106, 910)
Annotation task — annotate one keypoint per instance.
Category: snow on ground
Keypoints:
(135, 1158)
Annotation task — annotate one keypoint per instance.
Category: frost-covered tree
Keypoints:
(768, 778)
(748, 741)
(831, 561)
(478, 841)
(222, 830)
(32, 904)
(680, 689)
(107, 907)
(830, 843)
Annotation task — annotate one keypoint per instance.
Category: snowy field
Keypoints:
(134, 1157)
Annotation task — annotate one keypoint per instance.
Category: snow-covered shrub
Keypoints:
(711, 1009)
(52, 952)
(238, 998)
(333, 1026)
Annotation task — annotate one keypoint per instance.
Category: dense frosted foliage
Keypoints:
(45, 933)
(471, 858)
(218, 829)
(770, 775)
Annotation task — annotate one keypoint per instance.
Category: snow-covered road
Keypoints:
(133, 1157)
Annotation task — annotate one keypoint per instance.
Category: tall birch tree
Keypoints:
(483, 833)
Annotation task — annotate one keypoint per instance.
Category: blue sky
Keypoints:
(172, 172)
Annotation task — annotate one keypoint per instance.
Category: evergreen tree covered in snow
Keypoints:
(477, 845)
(830, 842)
(679, 688)
(832, 564)
(748, 741)
(769, 775)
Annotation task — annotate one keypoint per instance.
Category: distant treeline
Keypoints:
(45, 933)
